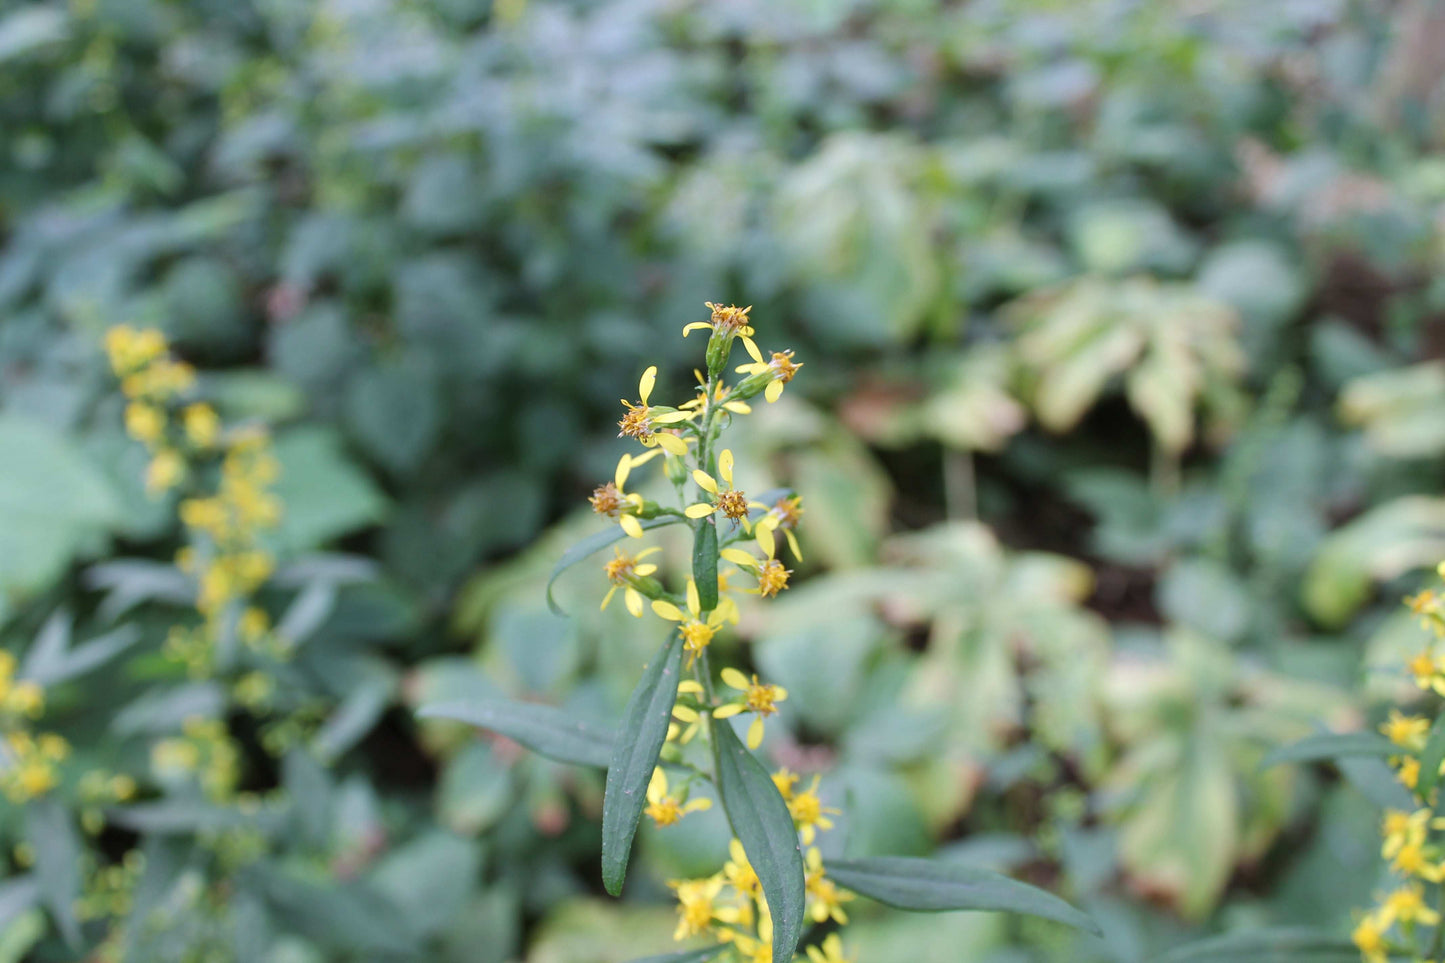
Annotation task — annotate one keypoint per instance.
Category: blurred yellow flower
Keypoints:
(756, 697)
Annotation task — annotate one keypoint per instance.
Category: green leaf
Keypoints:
(540, 728)
(933, 886)
(634, 756)
(1376, 782)
(323, 493)
(1283, 945)
(57, 863)
(1332, 745)
(704, 563)
(591, 545)
(1431, 757)
(761, 822)
(686, 956)
(17, 896)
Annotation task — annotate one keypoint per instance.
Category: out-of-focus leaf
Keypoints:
(17, 895)
(353, 916)
(31, 28)
(1402, 410)
(1384, 543)
(1376, 781)
(323, 493)
(762, 823)
(704, 562)
(686, 956)
(1331, 745)
(1282, 945)
(634, 756)
(52, 660)
(58, 852)
(540, 728)
(1431, 758)
(933, 886)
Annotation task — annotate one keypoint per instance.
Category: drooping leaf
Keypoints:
(634, 756)
(1431, 757)
(1332, 745)
(540, 728)
(933, 886)
(57, 863)
(760, 820)
(1282, 945)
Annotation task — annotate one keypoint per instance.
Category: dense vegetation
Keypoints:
(1120, 443)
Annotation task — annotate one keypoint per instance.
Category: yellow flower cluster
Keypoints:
(28, 762)
(729, 907)
(224, 521)
(204, 751)
(1411, 844)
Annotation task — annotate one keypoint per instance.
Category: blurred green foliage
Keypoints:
(1120, 439)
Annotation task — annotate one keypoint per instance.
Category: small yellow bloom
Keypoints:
(145, 422)
(1400, 829)
(1407, 905)
(1369, 938)
(696, 634)
(780, 367)
(165, 471)
(1407, 731)
(695, 908)
(783, 516)
(758, 698)
(771, 575)
(831, 952)
(666, 809)
(825, 898)
(202, 424)
(613, 500)
(740, 873)
(26, 699)
(731, 502)
(622, 571)
(785, 780)
(809, 813)
(641, 419)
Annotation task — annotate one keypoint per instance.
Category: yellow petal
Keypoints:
(668, 611)
(657, 785)
(672, 444)
(631, 525)
(725, 466)
(694, 602)
(634, 602)
(644, 570)
(793, 544)
(648, 551)
(727, 711)
(698, 805)
(671, 417)
(738, 557)
(773, 391)
(644, 385)
(685, 713)
(608, 597)
(690, 686)
(736, 679)
(753, 351)
(738, 407)
(729, 610)
(624, 468)
(766, 541)
(700, 510)
(696, 325)
(755, 733)
(779, 693)
(704, 480)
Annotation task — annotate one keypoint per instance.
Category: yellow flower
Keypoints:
(1369, 938)
(686, 713)
(783, 516)
(720, 398)
(1409, 772)
(131, 350)
(785, 781)
(758, 698)
(739, 872)
(696, 634)
(665, 808)
(731, 502)
(1414, 859)
(779, 368)
(26, 699)
(831, 952)
(758, 950)
(622, 571)
(253, 624)
(641, 419)
(827, 899)
(165, 471)
(772, 577)
(145, 422)
(613, 500)
(695, 909)
(202, 424)
(1407, 731)
(809, 813)
(1407, 905)
(729, 319)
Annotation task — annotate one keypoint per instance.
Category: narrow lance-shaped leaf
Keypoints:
(591, 545)
(540, 728)
(760, 820)
(1283, 945)
(934, 886)
(1376, 782)
(634, 756)
(686, 956)
(1332, 745)
(704, 563)
(1431, 758)
(57, 863)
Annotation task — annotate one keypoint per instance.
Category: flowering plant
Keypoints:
(775, 891)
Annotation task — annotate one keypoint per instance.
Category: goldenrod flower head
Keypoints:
(165, 471)
(785, 780)
(696, 634)
(757, 697)
(729, 318)
(130, 350)
(1409, 773)
(613, 500)
(779, 369)
(740, 873)
(641, 419)
(1407, 905)
(202, 424)
(622, 572)
(25, 699)
(663, 807)
(1407, 731)
(1415, 859)
(809, 813)
(731, 502)
(1369, 938)
(695, 904)
(830, 952)
(772, 576)
(145, 422)
(825, 898)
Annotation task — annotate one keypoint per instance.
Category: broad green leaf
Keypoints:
(1283, 945)
(17, 895)
(57, 863)
(933, 886)
(591, 545)
(760, 820)
(540, 728)
(1431, 757)
(350, 915)
(634, 756)
(1332, 745)
(322, 492)
(686, 956)
(704, 563)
